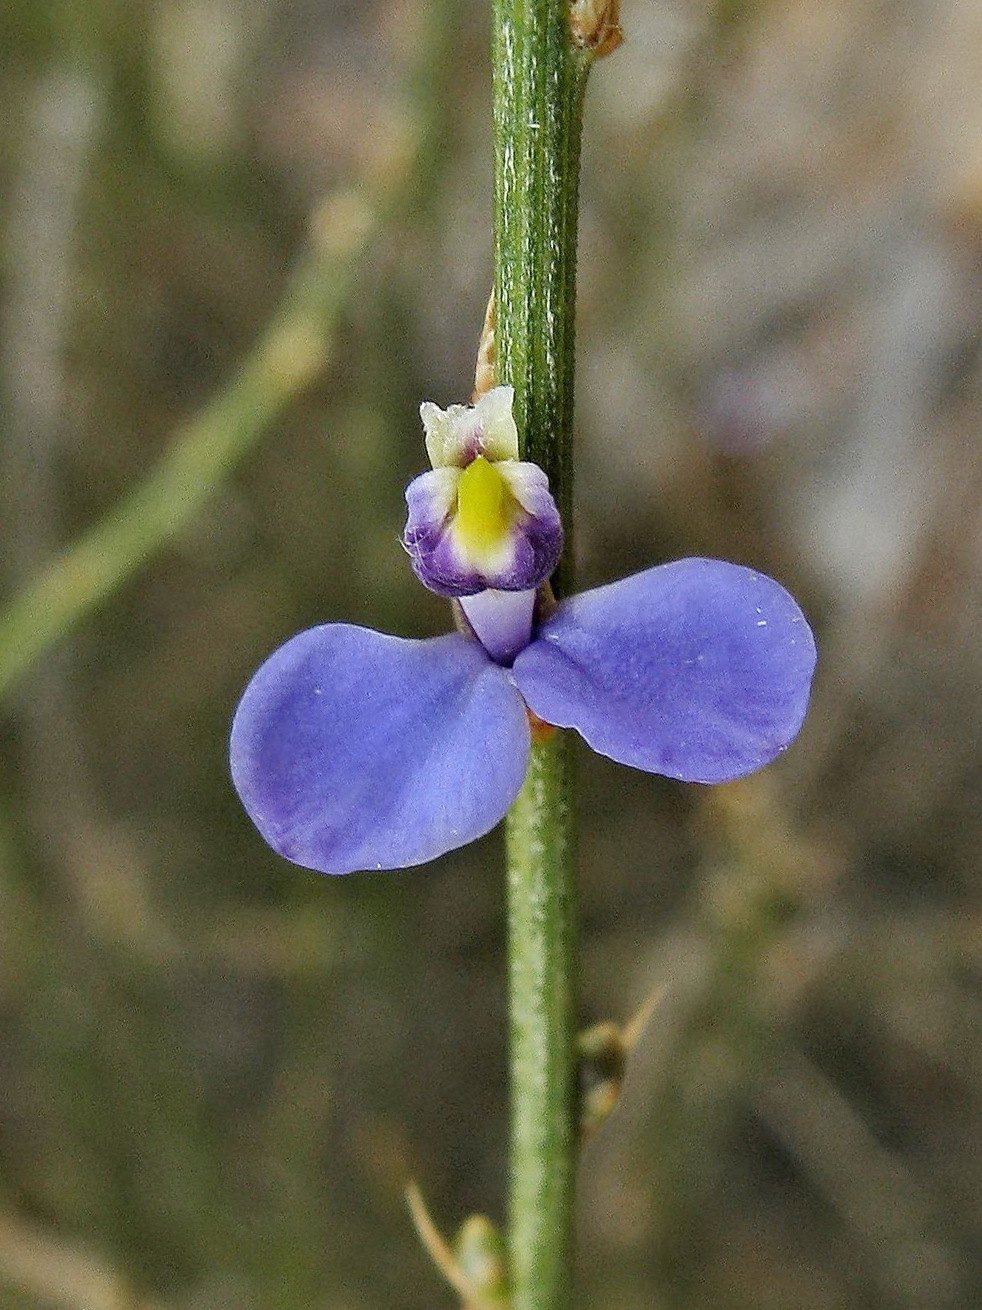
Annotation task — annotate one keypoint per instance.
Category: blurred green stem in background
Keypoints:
(291, 351)
(287, 356)
(539, 73)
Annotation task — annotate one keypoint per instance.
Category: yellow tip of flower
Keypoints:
(485, 507)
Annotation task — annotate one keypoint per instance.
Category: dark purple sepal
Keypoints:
(445, 562)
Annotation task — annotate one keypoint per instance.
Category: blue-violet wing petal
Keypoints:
(355, 750)
(698, 670)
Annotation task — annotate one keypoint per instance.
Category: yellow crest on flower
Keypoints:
(486, 509)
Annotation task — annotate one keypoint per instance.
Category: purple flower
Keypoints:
(356, 750)
(481, 518)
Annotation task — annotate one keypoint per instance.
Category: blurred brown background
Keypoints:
(217, 1072)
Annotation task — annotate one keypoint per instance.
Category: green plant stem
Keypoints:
(541, 921)
(539, 78)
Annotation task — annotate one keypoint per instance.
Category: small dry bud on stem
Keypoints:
(484, 377)
(596, 25)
